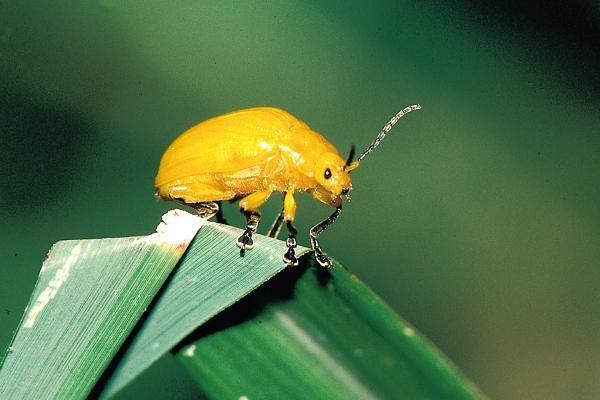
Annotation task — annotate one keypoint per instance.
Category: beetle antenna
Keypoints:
(385, 130)
(350, 155)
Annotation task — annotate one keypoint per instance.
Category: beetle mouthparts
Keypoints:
(345, 193)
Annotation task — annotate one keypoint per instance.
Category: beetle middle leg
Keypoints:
(315, 231)
(290, 255)
(276, 227)
(249, 207)
(289, 213)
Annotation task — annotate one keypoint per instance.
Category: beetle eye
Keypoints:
(327, 173)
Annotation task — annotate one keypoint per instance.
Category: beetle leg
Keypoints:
(289, 213)
(206, 209)
(249, 207)
(255, 200)
(315, 231)
(276, 227)
(289, 206)
(290, 255)
(219, 216)
(245, 240)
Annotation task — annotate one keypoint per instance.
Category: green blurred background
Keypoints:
(477, 219)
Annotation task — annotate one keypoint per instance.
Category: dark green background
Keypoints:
(477, 219)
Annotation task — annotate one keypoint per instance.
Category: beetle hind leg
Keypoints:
(315, 231)
(206, 209)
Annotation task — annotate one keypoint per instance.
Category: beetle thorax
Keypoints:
(308, 155)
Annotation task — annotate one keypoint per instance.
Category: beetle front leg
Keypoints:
(315, 231)
(249, 207)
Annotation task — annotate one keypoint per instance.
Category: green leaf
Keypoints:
(308, 334)
(89, 296)
(211, 276)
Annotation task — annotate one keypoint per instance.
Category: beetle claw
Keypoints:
(323, 260)
(245, 241)
(290, 257)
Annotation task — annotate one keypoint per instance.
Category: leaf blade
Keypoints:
(211, 276)
(89, 295)
(333, 339)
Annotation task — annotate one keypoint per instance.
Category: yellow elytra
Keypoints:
(250, 154)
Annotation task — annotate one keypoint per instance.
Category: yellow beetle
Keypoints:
(250, 154)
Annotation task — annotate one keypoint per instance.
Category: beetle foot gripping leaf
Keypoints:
(290, 255)
(207, 209)
(323, 260)
(245, 240)
(315, 231)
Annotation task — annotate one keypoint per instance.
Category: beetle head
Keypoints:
(331, 174)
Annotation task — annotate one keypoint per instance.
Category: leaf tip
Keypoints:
(177, 228)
